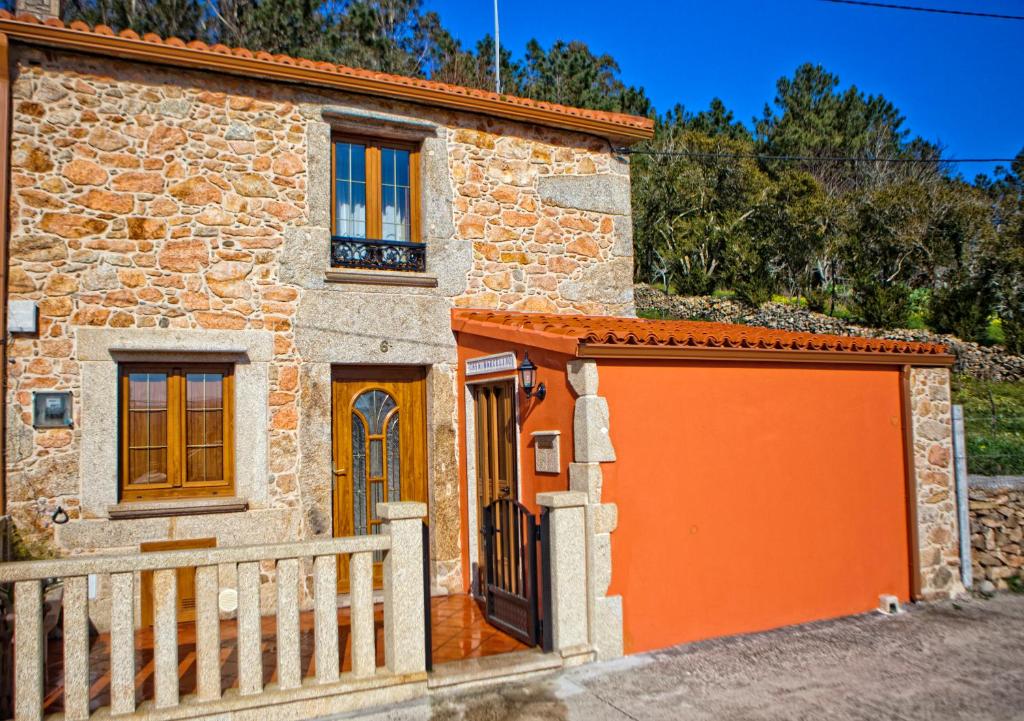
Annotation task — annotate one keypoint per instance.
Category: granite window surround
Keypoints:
(101, 350)
(427, 136)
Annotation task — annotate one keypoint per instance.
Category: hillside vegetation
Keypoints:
(994, 419)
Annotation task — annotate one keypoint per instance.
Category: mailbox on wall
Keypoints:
(51, 409)
(545, 451)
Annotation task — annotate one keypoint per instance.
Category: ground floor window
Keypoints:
(176, 424)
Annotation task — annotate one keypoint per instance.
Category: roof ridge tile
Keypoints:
(619, 331)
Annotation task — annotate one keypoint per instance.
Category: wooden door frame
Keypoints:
(413, 455)
(472, 478)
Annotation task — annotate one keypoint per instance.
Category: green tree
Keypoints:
(883, 251)
(814, 120)
(960, 235)
(793, 221)
(691, 210)
(475, 68)
(301, 28)
(185, 19)
(1007, 194)
(568, 73)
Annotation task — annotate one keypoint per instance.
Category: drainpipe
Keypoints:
(5, 206)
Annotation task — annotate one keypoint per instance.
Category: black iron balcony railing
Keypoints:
(378, 254)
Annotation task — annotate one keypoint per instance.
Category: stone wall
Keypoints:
(542, 240)
(997, 531)
(985, 362)
(148, 202)
(938, 544)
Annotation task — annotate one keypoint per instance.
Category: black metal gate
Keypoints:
(511, 588)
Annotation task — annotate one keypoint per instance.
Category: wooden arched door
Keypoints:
(379, 439)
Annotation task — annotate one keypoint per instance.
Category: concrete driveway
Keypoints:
(945, 661)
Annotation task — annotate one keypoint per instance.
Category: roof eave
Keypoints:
(567, 345)
(763, 355)
(143, 51)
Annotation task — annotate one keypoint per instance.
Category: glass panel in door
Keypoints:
(379, 450)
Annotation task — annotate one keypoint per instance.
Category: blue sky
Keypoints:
(958, 80)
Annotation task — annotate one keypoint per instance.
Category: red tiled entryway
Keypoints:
(458, 631)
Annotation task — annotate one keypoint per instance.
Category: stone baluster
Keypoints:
(165, 637)
(250, 633)
(28, 650)
(122, 643)
(207, 634)
(364, 652)
(289, 667)
(325, 610)
(76, 648)
(567, 521)
(404, 649)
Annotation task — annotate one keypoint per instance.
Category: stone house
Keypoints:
(185, 204)
(263, 315)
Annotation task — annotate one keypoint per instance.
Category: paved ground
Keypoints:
(948, 661)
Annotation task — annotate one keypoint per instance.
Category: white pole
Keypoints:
(497, 51)
(962, 495)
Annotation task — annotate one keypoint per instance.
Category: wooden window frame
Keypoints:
(177, 487)
(374, 183)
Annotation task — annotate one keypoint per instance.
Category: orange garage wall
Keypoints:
(752, 496)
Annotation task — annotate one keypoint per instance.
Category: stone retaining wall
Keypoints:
(997, 530)
(988, 363)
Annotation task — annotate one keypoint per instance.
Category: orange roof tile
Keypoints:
(586, 335)
(220, 58)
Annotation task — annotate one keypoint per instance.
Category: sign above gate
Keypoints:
(491, 364)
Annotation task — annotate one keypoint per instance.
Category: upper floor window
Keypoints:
(176, 431)
(375, 205)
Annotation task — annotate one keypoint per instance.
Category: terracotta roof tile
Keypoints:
(573, 333)
(491, 103)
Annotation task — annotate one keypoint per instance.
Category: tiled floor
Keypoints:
(459, 631)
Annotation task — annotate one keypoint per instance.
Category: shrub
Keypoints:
(753, 277)
(882, 306)
(962, 308)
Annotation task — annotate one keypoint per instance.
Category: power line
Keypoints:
(919, 9)
(805, 158)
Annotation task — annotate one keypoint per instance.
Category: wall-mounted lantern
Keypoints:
(528, 379)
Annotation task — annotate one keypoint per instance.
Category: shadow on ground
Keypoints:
(959, 661)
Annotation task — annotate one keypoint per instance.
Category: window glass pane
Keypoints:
(358, 163)
(342, 160)
(350, 190)
(393, 463)
(376, 458)
(358, 475)
(402, 168)
(377, 496)
(396, 222)
(375, 406)
(147, 428)
(204, 427)
(387, 165)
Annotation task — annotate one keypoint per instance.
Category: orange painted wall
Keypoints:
(752, 496)
(553, 413)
